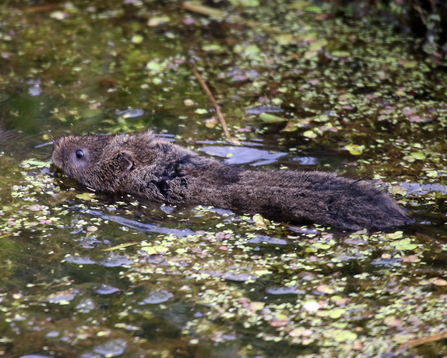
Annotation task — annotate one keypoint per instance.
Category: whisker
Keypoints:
(355, 182)
(43, 145)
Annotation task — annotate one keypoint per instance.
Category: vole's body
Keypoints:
(164, 172)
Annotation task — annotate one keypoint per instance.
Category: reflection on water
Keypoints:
(243, 155)
(107, 289)
(263, 109)
(155, 297)
(137, 225)
(111, 348)
(73, 283)
(34, 88)
(130, 113)
(253, 156)
(306, 160)
(421, 189)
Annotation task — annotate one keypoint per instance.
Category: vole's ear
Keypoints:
(124, 163)
(113, 169)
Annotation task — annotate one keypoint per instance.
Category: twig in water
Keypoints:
(40, 8)
(428, 339)
(216, 106)
(62, 284)
(209, 11)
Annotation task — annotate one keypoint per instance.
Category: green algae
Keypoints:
(363, 95)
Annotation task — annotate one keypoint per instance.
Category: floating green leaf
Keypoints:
(284, 39)
(355, 149)
(314, 9)
(341, 54)
(418, 155)
(35, 163)
(137, 39)
(404, 244)
(270, 118)
(310, 134)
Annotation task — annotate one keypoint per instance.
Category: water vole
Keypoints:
(165, 172)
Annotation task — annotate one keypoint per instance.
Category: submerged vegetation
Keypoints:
(87, 274)
(423, 18)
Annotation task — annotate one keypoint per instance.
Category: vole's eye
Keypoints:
(79, 154)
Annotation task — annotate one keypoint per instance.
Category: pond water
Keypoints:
(89, 274)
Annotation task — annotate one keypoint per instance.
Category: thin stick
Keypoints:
(41, 8)
(209, 11)
(201, 9)
(430, 238)
(216, 106)
(419, 341)
(120, 246)
(61, 284)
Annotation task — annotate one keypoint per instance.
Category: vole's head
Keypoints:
(88, 160)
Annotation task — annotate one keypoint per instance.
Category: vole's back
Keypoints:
(168, 173)
(294, 196)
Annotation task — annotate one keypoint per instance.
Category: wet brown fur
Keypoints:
(164, 172)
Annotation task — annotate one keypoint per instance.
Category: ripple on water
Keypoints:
(155, 297)
(34, 88)
(263, 239)
(130, 113)
(243, 155)
(281, 290)
(80, 260)
(263, 109)
(107, 290)
(239, 277)
(4, 97)
(306, 160)
(62, 297)
(111, 348)
(52, 334)
(114, 260)
(85, 305)
(90, 355)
